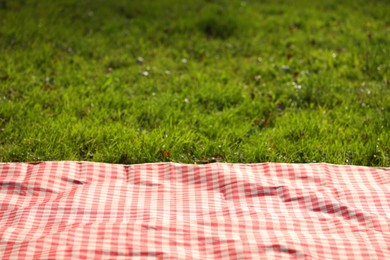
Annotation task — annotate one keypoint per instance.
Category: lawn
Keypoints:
(195, 81)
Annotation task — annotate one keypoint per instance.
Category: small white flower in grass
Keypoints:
(296, 86)
(186, 100)
(145, 73)
(184, 60)
(305, 73)
(286, 68)
(140, 60)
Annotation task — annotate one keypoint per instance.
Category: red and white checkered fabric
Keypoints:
(76, 210)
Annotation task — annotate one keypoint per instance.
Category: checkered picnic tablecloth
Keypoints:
(73, 210)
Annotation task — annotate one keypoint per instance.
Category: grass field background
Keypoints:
(195, 81)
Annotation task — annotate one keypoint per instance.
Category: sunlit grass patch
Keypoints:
(195, 81)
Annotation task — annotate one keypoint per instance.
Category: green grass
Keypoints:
(195, 81)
